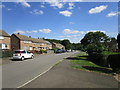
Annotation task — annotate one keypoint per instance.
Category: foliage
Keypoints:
(43, 51)
(77, 46)
(94, 38)
(112, 44)
(67, 44)
(6, 53)
(118, 40)
(93, 48)
(83, 63)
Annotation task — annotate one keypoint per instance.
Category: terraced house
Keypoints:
(4, 40)
(19, 41)
(57, 45)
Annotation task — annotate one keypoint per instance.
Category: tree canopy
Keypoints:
(94, 37)
(67, 44)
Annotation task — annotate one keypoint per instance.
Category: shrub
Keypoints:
(114, 62)
(6, 53)
(43, 51)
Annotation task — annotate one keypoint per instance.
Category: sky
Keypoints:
(60, 20)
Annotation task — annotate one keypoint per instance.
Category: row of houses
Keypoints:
(18, 41)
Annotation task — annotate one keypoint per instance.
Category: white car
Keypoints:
(22, 54)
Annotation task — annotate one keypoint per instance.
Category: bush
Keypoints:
(6, 53)
(114, 62)
(43, 51)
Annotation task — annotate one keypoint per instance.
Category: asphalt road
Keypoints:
(19, 72)
(64, 76)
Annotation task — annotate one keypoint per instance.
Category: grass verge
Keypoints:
(81, 62)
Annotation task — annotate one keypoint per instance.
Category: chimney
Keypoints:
(38, 38)
(18, 33)
(29, 36)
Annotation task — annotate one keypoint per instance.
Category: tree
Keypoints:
(118, 40)
(67, 44)
(94, 38)
(112, 45)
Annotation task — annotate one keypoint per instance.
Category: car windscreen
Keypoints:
(19, 51)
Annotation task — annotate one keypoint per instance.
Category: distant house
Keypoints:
(19, 41)
(57, 45)
(4, 40)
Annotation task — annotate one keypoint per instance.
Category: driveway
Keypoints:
(18, 73)
(63, 76)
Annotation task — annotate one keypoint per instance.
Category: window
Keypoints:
(20, 52)
(3, 46)
(31, 48)
(26, 41)
(1, 37)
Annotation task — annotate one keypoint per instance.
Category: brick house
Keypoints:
(57, 45)
(19, 41)
(4, 40)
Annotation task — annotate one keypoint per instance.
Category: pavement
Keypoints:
(63, 75)
(17, 73)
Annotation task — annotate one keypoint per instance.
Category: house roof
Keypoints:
(3, 33)
(35, 40)
(58, 44)
(23, 37)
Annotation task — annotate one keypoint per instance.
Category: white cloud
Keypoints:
(71, 6)
(2, 6)
(69, 36)
(66, 13)
(45, 30)
(9, 9)
(42, 6)
(71, 23)
(98, 9)
(37, 12)
(23, 3)
(20, 31)
(33, 31)
(68, 31)
(112, 14)
(55, 3)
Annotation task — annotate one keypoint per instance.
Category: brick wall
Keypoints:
(6, 41)
(15, 43)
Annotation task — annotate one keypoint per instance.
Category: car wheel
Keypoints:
(32, 57)
(22, 58)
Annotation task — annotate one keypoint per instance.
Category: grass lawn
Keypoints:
(81, 62)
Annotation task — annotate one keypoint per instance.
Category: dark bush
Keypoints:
(114, 62)
(99, 58)
(6, 53)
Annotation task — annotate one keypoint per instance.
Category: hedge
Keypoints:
(6, 53)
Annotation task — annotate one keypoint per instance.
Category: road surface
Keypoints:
(19, 72)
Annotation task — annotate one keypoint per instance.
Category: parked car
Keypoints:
(60, 51)
(22, 54)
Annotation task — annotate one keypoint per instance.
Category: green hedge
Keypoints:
(43, 51)
(6, 53)
(106, 59)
